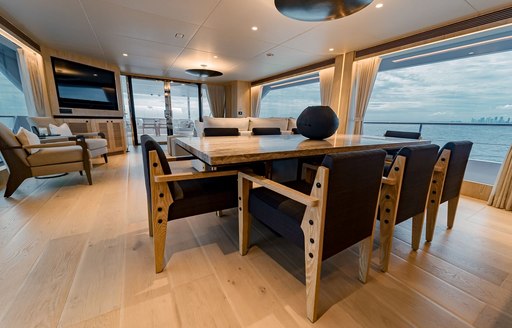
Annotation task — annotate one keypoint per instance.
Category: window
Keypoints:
(288, 98)
(12, 99)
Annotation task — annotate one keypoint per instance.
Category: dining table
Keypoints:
(223, 151)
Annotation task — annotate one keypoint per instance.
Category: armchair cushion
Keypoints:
(280, 213)
(62, 130)
(56, 155)
(27, 138)
(95, 143)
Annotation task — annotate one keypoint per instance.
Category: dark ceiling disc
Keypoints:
(319, 10)
(201, 72)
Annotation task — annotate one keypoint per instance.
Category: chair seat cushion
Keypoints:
(200, 196)
(57, 155)
(280, 213)
(95, 143)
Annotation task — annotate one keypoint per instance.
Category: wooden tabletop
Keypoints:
(217, 151)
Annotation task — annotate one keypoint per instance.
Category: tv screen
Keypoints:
(84, 86)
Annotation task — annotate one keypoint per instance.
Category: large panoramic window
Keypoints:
(462, 99)
(12, 98)
(288, 98)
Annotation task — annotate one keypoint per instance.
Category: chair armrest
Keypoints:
(388, 181)
(439, 168)
(52, 145)
(281, 189)
(193, 175)
(179, 158)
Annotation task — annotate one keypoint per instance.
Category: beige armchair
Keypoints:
(52, 158)
(95, 141)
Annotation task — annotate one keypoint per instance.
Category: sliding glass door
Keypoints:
(149, 108)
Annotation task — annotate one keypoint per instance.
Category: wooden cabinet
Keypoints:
(114, 132)
(112, 128)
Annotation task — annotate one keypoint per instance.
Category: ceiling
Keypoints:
(218, 33)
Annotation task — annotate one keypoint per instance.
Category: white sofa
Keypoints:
(243, 124)
(246, 124)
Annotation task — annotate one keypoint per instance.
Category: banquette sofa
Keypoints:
(243, 124)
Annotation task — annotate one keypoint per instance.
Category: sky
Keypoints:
(457, 90)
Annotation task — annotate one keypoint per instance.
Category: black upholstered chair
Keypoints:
(404, 195)
(446, 182)
(220, 132)
(400, 134)
(266, 131)
(334, 213)
(174, 196)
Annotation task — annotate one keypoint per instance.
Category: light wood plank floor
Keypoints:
(74, 255)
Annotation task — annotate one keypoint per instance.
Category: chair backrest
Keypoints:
(402, 134)
(266, 131)
(419, 166)
(352, 197)
(148, 144)
(459, 155)
(220, 132)
(14, 155)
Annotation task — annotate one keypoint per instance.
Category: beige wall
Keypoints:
(50, 82)
(239, 99)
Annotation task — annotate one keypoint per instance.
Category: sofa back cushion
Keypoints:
(242, 124)
(271, 122)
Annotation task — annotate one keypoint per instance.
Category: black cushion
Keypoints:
(402, 134)
(220, 132)
(266, 131)
(459, 156)
(354, 183)
(419, 166)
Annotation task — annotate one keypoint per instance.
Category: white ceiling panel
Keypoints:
(145, 29)
(232, 43)
(192, 11)
(241, 16)
(52, 21)
(136, 24)
(115, 46)
(486, 5)
(287, 56)
(194, 59)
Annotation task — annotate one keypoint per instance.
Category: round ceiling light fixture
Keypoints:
(319, 10)
(203, 72)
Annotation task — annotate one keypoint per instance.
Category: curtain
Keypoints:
(256, 100)
(217, 99)
(501, 195)
(363, 79)
(326, 81)
(32, 75)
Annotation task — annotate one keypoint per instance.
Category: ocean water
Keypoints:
(490, 143)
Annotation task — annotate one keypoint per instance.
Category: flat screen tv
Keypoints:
(84, 86)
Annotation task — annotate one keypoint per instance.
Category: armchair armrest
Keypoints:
(193, 175)
(52, 145)
(281, 189)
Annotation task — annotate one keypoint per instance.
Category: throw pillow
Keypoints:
(27, 138)
(62, 130)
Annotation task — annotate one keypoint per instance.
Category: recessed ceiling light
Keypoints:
(126, 55)
(215, 57)
(179, 35)
(331, 49)
(379, 5)
(254, 28)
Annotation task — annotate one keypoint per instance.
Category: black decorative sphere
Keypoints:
(317, 122)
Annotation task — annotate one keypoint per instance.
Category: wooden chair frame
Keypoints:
(161, 199)
(312, 225)
(435, 194)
